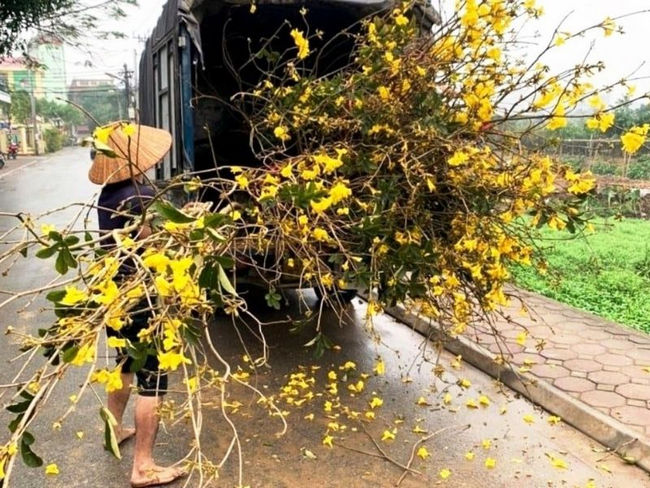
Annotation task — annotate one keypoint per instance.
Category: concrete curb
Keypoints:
(595, 424)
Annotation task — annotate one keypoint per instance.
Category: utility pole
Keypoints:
(127, 91)
(33, 103)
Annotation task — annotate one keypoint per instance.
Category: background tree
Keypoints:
(20, 107)
(67, 20)
(105, 103)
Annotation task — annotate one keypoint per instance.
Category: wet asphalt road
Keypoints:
(522, 451)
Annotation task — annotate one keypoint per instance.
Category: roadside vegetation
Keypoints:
(606, 272)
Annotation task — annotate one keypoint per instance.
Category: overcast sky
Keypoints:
(622, 54)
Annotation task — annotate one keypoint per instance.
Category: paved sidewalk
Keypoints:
(593, 373)
(601, 363)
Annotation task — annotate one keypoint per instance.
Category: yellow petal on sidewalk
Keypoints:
(528, 418)
(52, 469)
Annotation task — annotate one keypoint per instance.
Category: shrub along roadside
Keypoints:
(607, 273)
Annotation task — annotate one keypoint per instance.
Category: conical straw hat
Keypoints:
(144, 147)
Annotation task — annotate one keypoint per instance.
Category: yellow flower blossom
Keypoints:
(376, 402)
(349, 366)
(103, 133)
(490, 463)
(165, 289)
(609, 26)
(557, 462)
(528, 418)
(282, 133)
(157, 261)
(444, 473)
(327, 441)
(51, 469)
(328, 163)
(458, 158)
(286, 171)
(112, 380)
(422, 452)
(242, 181)
(401, 20)
(469, 455)
(388, 435)
(172, 360)
(73, 296)
(380, 367)
(521, 338)
(322, 205)
(339, 192)
(301, 43)
(634, 139)
(116, 342)
(47, 228)
(320, 234)
(106, 293)
(554, 420)
(85, 354)
(128, 130)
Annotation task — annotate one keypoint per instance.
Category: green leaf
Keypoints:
(172, 213)
(28, 438)
(88, 237)
(225, 282)
(104, 149)
(55, 236)
(69, 258)
(69, 354)
(20, 407)
(273, 299)
(13, 425)
(197, 235)
(208, 277)
(215, 235)
(23, 251)
(28, 456)
(55, 296)
(191, 333)
(60, 265)
(215, 220)
(226, 261)
(26, 395)
(71, 240)
(110, 439)
(47, 252)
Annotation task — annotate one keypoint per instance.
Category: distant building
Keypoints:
(16, 75)
(5, 103)
(49, 52)
(98, 87)
(80, 85)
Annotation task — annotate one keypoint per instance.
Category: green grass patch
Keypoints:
(607, 273)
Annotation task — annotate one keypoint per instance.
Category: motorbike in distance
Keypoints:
(12, 151)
